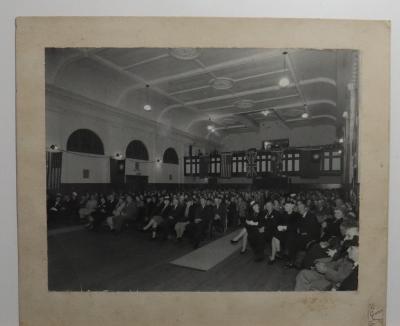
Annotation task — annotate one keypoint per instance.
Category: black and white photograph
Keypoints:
(202, 169)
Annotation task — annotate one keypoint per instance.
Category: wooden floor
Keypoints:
(80, 260)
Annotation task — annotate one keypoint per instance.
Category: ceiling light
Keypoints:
(284, 82)
(345, 114)
(147, 106)
(305, 114)
(244, 104)
(222, 83)
(266, 112)
(340, 151)
(341, 140)
(184, 53)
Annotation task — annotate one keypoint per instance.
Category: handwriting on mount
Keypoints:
(375, 315)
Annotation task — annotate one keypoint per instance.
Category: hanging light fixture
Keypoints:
(284, 81)
(266, 112)
(305, 114)
(147, 106)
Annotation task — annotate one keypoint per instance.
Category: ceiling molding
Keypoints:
(244, 93)
(99, 107)
(208, 69)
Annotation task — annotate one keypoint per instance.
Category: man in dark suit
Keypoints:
(174, 215)
(129, 212)
(219, 217)
(308, 231)
(350, 283)
(198, 226)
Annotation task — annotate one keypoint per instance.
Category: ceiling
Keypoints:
(233, 90)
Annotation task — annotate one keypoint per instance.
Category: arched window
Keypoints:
(170, 156)
(85, 141)
(137, 150)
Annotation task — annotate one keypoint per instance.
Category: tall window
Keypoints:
(332, 161)
(170, 156)
(239, 164)
(137, 150)
(263, 162)
(215, 165)
(291, 162)
(85, 141)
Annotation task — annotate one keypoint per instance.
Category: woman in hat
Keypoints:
(255, 231)
(159, 217)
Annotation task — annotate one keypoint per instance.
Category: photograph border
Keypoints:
(38, 306)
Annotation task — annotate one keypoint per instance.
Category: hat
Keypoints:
(166, 197)
(252, 203)
(75, 194)
(353, 242)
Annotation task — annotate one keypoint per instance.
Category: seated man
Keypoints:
(219, 219)
(200, 223)
(129, 212)
(185, 218)
(90, 207)
(334, 248)
(174, 215)
(324, 276)
(307, 231)
(350, 283)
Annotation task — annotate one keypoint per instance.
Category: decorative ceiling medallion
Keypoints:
(184, 53)
(221, 83)
(244, 104)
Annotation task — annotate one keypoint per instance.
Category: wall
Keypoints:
(300, 136)
(66, 113)
(73, 165)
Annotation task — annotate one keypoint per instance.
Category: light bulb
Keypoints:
(147, 107)
(304, 115)
(284, 82)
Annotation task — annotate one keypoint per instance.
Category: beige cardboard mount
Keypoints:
(364, 307)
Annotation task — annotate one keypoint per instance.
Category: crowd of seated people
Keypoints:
(313, 231)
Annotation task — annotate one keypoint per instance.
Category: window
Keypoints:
(332, 161)
(239, 163)
(85, 141)
(137, 150)
(188, 166)
(291, 163)
(192, 165)
(170, 156)
(215, 165)
(263, 163)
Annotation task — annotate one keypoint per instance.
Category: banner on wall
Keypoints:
(226, 165)
(251, 158)
(53, 170)
(310, 164)
(117, 171)
(204, 165)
